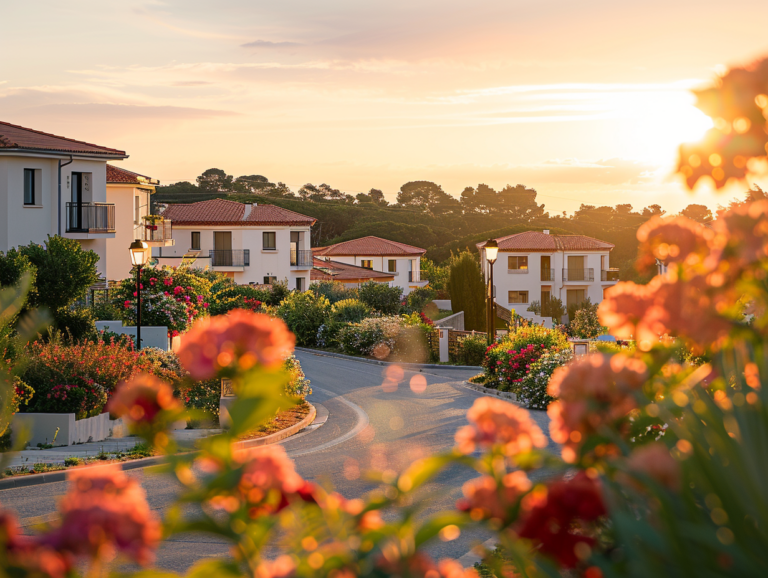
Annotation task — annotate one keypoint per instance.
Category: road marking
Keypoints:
(362, 423)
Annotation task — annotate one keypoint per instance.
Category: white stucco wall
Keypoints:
(126, 231)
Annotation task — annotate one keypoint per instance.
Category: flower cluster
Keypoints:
(82, 400)
(497, 423)
(373, 335)
(533, 387)
(146, 403)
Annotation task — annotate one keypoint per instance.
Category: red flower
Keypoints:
(142, 398)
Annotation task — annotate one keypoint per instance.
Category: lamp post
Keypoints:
(139, 251)
(491, 252)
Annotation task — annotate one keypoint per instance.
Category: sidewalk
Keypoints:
(30, 457)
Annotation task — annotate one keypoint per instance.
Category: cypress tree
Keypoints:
(467, 290)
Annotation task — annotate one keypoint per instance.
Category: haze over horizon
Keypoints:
(585, 102)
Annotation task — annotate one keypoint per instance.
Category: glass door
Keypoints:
(222, 249)
(76, 208)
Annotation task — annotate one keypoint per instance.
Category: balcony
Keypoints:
(609, 275)
(91, 219)
(300, 258)
(158, 234)
(521, 271)
(547, 274)
(414, 276)
(578, 274)
(230, 259)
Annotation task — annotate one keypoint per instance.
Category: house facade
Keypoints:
(53, 185)
(402, 261)
(251, 243)
(537, 266)
(130, 193)
(351, 276)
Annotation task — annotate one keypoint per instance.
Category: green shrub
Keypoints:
(349, 311)
(362, 338)
(472, 349)
(333, 291)
(533, 388)
(467, 290)
(82, 400)
(13, 266)
(237, 297)
(72, 461)
(77, 324)
(203, 396)
(381, 297)
(106, 311)
(418, 298)
(304, 313)
(585, 324)
(278, 292)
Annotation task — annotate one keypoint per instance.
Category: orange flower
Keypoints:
(594, 392)
(655, 461)
(140, 399)
(280, 567)
(496, 422)
(624, 310)
(28, 552)
(673, 240)
(238, 340)
(741, 238)
(483, 498)
(105, 513)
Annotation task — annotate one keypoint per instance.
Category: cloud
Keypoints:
(126, 112)
(269, 45)
(185, 83)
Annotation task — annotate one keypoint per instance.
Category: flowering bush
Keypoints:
(304, 313)
(585, 323)
(82, 400)
(349, 311)
(374, 335)
(298, 384)
(533, 387)
(472, 349)
(381, 297)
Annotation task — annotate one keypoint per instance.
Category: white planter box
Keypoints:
(42, 428)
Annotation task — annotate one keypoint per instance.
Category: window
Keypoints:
(270, 243)
(366, 263)
(29, 186)
(196, 240)
(270, 280)
(392, 266)
(299, 283)
(518, 297)
(519, 263)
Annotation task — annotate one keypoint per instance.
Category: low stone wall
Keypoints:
(151, 336)
(42, 428)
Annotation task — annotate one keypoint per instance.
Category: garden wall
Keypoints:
(150, 336)
(42, 427)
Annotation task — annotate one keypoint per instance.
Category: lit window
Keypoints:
(367, 263)
(520, 263)
(392, 266)
(518, 297)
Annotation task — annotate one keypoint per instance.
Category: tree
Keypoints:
(428, 196)
(251, 184)
(381, 297)
(377, 196)
(13, 266)
(467, 290)
(699, 213)
(64, 271)
(215, 181)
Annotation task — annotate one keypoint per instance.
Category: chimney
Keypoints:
(248, 209)
(546, 231)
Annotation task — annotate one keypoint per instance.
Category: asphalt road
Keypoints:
(373, 423)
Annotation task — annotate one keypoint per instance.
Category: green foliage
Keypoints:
(72, 461)
(278, 292)
(472, 349)
(13, 266)
(585, 323)
(106, 311)
(437, 275)
(362, 338)
(64, 272)
(304, 313)
(80, 399)
(381, 297)
(533, 388)
(203, 396)
(536, 335)
(419, 298)
(234, 297)
(333, 291)
(467, 291)
(77, 323)
(349, 311)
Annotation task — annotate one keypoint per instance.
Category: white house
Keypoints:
(401, 260)
(129, 192)
(249, 242)
(53, 185)
(534, 266)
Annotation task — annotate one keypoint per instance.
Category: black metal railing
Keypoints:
(301, 258)
(414, 276)
(157, 232)
(230, 257)
(547, 274)
(578, 274)
(609, 275)
(90, 218)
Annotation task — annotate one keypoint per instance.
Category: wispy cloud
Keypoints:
(269, 45)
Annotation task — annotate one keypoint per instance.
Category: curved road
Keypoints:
(374, 422)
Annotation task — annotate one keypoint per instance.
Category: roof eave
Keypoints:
(65, 154)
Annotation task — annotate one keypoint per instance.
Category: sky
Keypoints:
(584, 101)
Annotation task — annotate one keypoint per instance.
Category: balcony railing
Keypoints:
(414, 276)
(578, 274)
(230, 257)
(518, 271)
(90, 218)
(301, 258)
(158, 232)
(609, 275)
(547, 274)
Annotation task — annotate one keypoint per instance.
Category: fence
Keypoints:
(455, 321)
(454, 345)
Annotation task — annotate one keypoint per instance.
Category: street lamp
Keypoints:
(139, 252)
(491, 252)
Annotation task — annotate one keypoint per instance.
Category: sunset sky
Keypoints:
(585, 101)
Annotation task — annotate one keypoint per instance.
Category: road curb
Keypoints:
(507, 395)
(418, 366)
(61, 475)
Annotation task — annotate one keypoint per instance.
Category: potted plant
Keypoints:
(151, 221)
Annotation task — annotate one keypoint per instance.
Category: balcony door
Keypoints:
(546, 268)
(222, 248)
(76, 208)
(295, 246)
(576, 268)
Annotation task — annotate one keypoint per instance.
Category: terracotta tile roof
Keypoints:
(334, 271)
(17, 137)
(272, 215)
(232, 213)
(370, 246)
(126, 177)
(542, 242)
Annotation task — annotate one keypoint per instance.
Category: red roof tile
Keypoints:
(542, 242)
(370, 246)
(334, 271)
(232, 213)
(126, 177)
(17, 137)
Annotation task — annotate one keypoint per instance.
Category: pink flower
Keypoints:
(142, 398)
(655, 461)
(484, 497)
(127, 304)
(177, 290)
(205, 305)
(497, 422)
